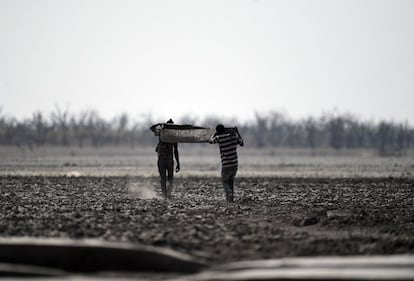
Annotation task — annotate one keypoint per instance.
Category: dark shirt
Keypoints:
(166, 150)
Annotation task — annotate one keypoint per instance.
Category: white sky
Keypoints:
(223, 57)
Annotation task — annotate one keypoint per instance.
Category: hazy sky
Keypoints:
(225, 58)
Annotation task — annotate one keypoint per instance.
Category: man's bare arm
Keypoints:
(177, 168)
(154, 127)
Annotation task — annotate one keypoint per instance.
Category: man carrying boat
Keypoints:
(228, 139)
(166, 152)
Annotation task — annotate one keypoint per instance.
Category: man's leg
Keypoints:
(231, 188)
(162, 170)
(231, 183)
(225, 177)
(170, 172)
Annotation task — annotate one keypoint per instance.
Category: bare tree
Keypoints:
(60, 121)
(312, 132)
(39, 123)
(260, 130)
(385, 137)
(336, 127)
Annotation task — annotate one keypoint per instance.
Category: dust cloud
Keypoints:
(143, 189)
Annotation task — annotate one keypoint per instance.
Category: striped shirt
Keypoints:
(228, 148)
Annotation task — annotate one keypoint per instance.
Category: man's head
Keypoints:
(220, 129)
(170, 121)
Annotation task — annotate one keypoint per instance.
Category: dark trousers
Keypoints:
(227, 176)
(166, 170)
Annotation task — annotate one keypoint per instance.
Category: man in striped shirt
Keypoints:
(228, 139)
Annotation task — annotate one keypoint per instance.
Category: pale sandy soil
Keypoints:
(203, 160)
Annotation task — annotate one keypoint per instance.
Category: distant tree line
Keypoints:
(273, 129)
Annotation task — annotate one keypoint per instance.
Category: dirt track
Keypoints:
(271, 218)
